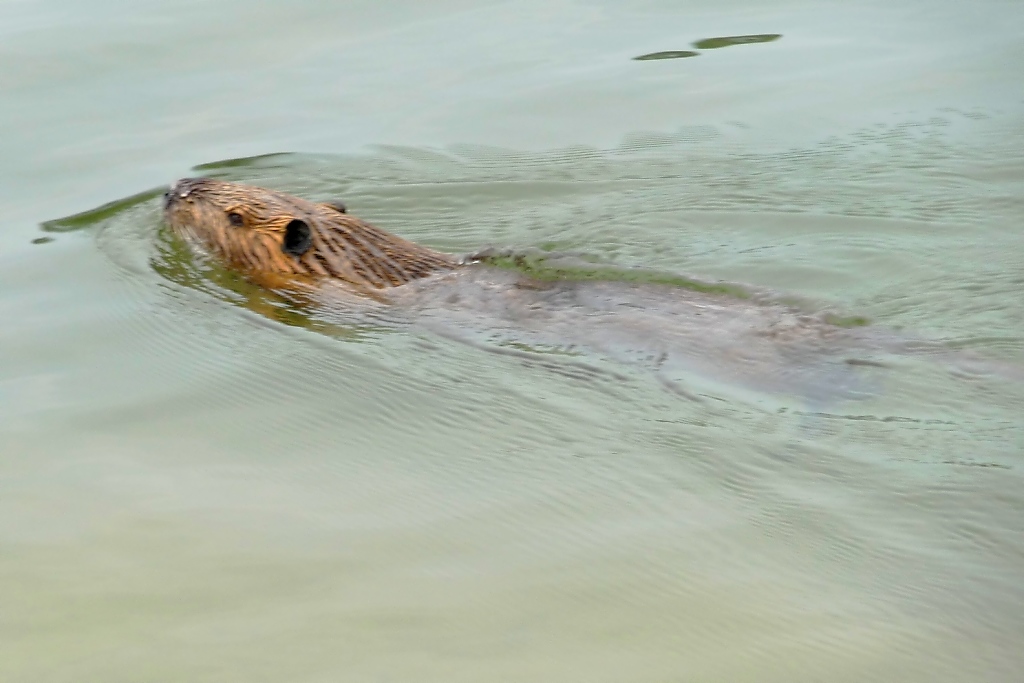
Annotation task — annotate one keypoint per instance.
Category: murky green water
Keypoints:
(199, 483)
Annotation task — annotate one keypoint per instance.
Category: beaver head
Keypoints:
(267, 232)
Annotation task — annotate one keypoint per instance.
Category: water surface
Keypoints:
(199, 483)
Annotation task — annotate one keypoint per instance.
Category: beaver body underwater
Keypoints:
(289, 243)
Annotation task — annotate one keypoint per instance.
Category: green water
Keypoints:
(201, 483)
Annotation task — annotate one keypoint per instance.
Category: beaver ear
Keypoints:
(337, 206)
(298, 238)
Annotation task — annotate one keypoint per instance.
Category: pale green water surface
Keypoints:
(196, 485)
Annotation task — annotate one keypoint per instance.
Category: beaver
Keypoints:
(278, 238)
(320, 250)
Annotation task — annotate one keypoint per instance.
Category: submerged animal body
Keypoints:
(288, 242)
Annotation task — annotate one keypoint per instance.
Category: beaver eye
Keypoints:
(236, 219)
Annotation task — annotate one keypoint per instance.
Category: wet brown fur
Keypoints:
(342, 247)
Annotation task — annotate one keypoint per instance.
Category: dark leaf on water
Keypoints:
(726, 41)
(670, 54)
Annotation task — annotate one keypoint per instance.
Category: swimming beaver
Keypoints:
(286, 242)
(271, 233)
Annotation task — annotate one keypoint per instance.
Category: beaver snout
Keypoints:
(182, 189)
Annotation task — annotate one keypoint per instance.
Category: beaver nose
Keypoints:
(180, 190)
(183, 188)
